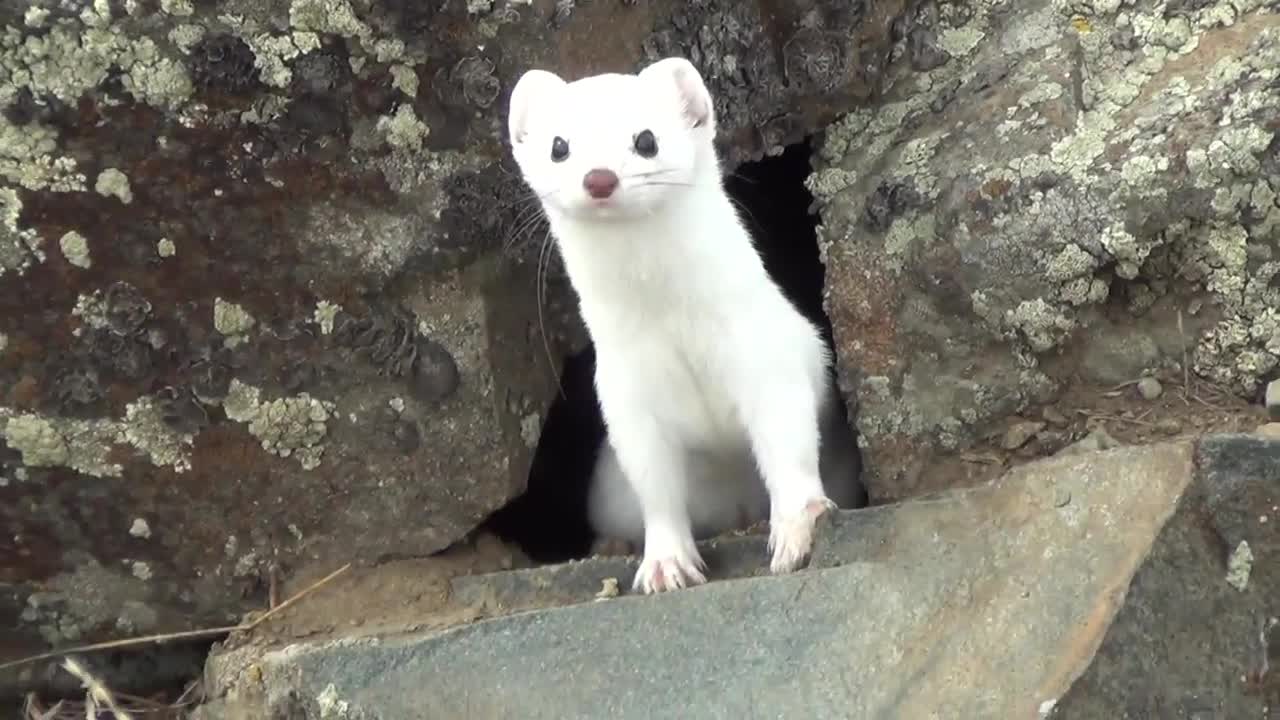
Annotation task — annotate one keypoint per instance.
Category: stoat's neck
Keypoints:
(693, 253)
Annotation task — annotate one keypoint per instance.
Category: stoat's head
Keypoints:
(613, 146)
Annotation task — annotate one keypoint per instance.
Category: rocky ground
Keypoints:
(1134, 582)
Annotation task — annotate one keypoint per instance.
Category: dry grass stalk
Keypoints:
(124, 706)
(97, 692)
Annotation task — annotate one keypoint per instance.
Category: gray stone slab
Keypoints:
(995, 602)
(1189, 643)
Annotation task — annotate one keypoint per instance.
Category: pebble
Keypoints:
(1273, 399)
(1095, 441)
(1055, 417)
(1019, 433)
(1271, 430)
(1149, 388)
(1170, 426)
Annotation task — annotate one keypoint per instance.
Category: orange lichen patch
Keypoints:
(996, 187)
(862, 307)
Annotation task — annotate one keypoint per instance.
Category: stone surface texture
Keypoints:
(1093, 585)
(267, 281)
(1051, 190)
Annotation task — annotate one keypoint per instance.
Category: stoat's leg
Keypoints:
(782, 421)
(655, 468)
(654, 464)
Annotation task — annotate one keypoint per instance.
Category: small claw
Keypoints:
(669, 573)
(791, 536)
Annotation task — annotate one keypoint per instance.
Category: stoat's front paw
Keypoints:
(791, 534)
(662, 571)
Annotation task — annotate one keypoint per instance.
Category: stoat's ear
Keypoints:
(680, 75)
(530, 89)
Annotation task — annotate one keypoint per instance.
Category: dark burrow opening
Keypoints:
(549, 520)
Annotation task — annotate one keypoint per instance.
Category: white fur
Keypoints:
(710, 381)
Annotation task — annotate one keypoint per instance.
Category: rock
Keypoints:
(1055, 417)
(1150, 388)
(1273, 399)
(1271, 430)
(995, 226)
(1097, 584)
(233, 236)
(1169, 426)
(1097, 439)
(1019, 433)
(1154, 659)
(1116, 355)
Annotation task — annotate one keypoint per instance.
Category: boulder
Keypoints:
(1135, 582)
(270, 289)
(1050, 192)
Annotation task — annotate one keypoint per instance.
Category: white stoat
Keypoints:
(713, 386)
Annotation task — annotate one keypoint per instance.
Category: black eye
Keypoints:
(559, 149)
(646, 144)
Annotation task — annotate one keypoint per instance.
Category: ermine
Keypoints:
(715, 390)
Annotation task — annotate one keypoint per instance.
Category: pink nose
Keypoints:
(600, 184)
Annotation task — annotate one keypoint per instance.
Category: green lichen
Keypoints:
(905, 234)
(1240, 566)
(404, 79)
(179, 8)
(145, 429)
(19, 247)
(288, 427)
(81, 445)
(1126, 249)
(961, 40)
(332, 706)
(387, 50)
(335, 17)
(85, 445)
(75, 248)
(40, 444)
(91, 309)
(113, 183)
(403, 130)
(231, 320)
(72, 603)
(828, 182)
(186, 36)
(35, 16)
(1040, 323)
(75, 55)
(272, 54)
(28, 157)
(325, 315)
(1070, 263)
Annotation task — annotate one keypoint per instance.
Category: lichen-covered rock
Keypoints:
(266, 300)
(1063, 189)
